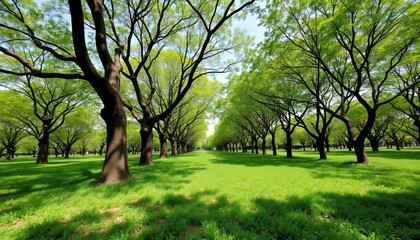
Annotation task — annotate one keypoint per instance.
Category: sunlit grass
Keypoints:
(216, 195)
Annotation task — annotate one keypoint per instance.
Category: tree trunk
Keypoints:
(273, 143)
(397, 144)
(67, 153)
(361, 156)
(374, 145)
(327, 144)
(163, 146)
(263, 148)
(173, 147)
(289, 145)
(115, 168)
(146, 133)
(320, 145)
(9, 153)
(243, 146)
(256, 147)
(43, 143)
(349, 147)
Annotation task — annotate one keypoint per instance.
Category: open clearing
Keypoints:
(216, 195)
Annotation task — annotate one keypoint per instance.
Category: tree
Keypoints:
(356, 43)
(203, 39)
(395, 130)
(116, 36)
(11, 132)
(10, 136)
(408, 74)
(134, 142)
(52, 100)
(76, 127)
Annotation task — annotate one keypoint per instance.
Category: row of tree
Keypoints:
(59, 116)
(266, 131)
(321, 60)
(111, 41)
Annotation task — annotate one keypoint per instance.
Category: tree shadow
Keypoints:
(210, 215)
(380, 175)
(34, 183)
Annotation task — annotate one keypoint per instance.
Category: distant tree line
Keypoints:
(343, 71)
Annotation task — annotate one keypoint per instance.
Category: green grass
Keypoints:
(216, 195)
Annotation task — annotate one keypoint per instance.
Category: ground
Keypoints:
(216, 195)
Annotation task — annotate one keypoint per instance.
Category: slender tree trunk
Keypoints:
(184, 148)
(115, 168)
(43, 143)
(173, 147)
(256, 147)
(146, 133)
(263, 148)
(243, 146)
(349, 147)
(101, 149)
(163, 146)
(327, 144)
(289, 145)
(273, 143)
(252, 146)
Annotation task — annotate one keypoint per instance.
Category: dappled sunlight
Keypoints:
(212, 195)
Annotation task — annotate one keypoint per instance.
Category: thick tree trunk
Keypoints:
(273, 144)
(320, 145)
(374, 144)
(397, 144)
(173, 147)
(146, 133)
(289, 145)
(163, 146)
(115, 168)
(361, 156)
(8, 154)
(43, 144)
(67, 153)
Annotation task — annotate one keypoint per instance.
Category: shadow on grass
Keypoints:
(383, 175)
(208, 215)
(35, 183)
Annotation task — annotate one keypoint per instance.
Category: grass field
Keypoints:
(216, 195)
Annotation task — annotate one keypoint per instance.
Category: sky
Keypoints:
(250, 25)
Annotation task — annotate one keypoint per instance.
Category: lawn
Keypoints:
(216, 195)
